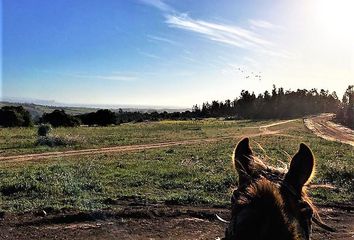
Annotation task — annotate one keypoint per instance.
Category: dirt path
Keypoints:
(150, 222)
(323, 127)
(263, 130)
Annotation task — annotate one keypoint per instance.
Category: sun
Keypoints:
(335, 17)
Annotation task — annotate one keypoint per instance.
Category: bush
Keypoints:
(44, 130)
(58, 118)
(105, 117)
(11, 116)
(102, 117)
(56, 141)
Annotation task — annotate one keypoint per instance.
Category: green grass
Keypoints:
(199, 174)
(22, 140)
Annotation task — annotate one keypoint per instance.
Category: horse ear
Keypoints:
(301, 168)
(242, 159)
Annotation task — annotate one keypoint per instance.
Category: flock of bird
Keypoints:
(252, 74)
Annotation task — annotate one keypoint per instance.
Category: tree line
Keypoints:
(276, 104)
(345, 112)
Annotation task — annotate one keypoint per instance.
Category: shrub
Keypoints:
(11, 116)
(105, 117)
(44, 130)
(102, 117)
(56, 141)
(58, 118)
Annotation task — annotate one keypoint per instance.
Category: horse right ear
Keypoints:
(243, 158)
(301, 168)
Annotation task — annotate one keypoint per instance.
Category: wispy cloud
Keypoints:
(256, 23)
(189, 59)
(112, 77)
(105, 77)
(159, 4)
(161, 39)
(278, 53)
(150, 55)
(232, 35)
(250, 60)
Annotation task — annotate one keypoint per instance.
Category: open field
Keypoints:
(21, 140)
(196, 176)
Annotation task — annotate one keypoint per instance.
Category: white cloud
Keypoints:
(231, 35)
(279, 53)
(113, 76)
(189, 59)
(161, 39)
(159, 4)
(150, 55)
(250, 60)
(256, 23)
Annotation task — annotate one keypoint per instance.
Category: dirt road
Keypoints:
(323, 126)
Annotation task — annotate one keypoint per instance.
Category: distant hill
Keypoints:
(37, 110)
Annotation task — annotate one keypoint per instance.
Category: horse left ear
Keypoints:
(243, 160)
(301, 168)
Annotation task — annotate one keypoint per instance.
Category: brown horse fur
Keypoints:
(271, 203)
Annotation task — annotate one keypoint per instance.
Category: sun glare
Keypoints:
(335, 17)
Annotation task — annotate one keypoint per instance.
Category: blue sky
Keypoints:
(172, 52)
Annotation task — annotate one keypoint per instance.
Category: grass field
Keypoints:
(21, 140)
(199, 174)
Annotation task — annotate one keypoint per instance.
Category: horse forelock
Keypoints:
(261, 205)
(263, 200)
(271, 202)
